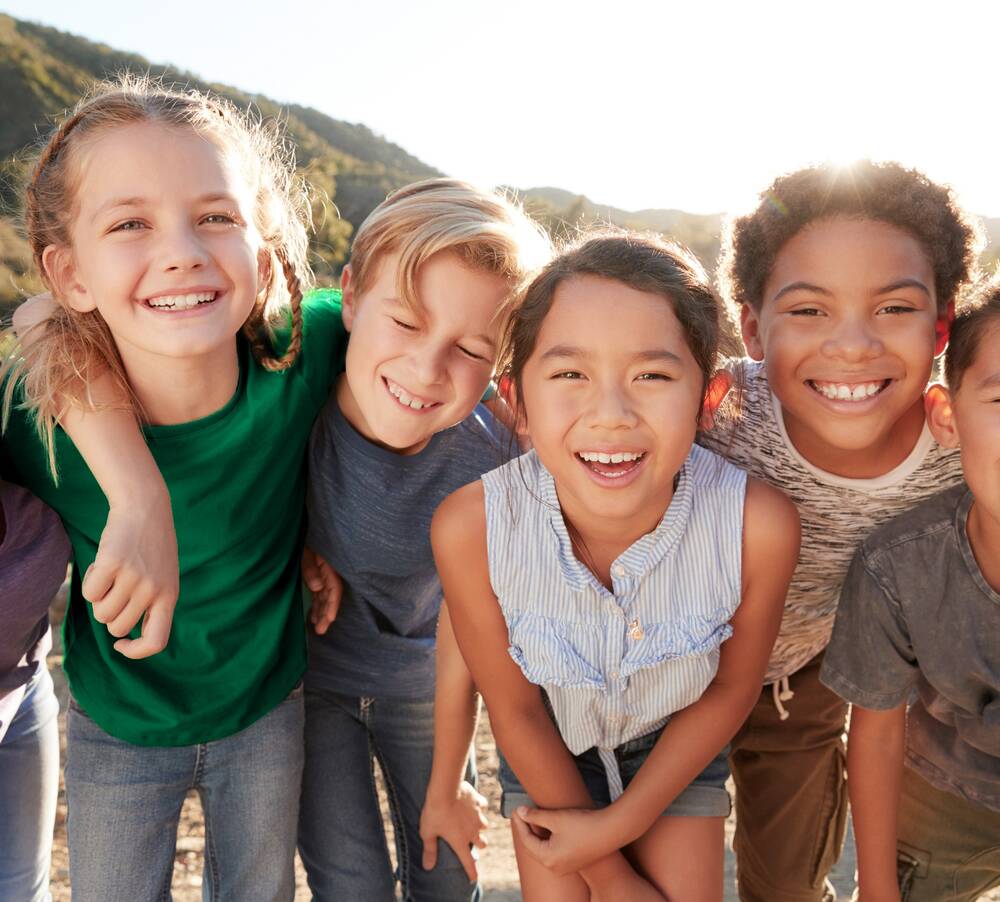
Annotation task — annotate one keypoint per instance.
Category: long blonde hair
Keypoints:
(68, 350)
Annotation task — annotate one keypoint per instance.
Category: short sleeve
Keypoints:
(324, 340)
(870, 660)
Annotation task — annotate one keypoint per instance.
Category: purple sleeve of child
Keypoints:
(34, 552)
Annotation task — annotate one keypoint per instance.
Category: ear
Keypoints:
(61, 272)
(750, 327)
(348, 306)
(718, 388)
(942, 329)
(508, 391)
(264, 270)
(941, 416)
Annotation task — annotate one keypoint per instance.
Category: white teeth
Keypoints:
(404, 398)
(182, 301)
(840, 391)
(604, 458)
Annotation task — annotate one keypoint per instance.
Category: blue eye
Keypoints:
(220, 219)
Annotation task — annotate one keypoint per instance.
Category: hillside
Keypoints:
(44, 71)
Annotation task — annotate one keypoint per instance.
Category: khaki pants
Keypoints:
(791, 792)
(948, 848)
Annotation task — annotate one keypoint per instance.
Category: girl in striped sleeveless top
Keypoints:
(615, 592)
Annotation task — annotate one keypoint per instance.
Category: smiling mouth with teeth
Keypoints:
(181, 301)
(848, 391)
(405, 399)
(613, 464)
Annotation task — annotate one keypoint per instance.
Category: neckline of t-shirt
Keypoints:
(896, 475)
(178, 430)
(968, 555)
(345, 430)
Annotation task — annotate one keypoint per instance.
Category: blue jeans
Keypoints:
(29, 783)
(125, 802)
(341, 840)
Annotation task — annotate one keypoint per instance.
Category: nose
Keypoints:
(428, 362)
(853, 340)
(181, 249)
(611, 408)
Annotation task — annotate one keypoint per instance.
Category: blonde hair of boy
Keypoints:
(67, 351)
(487, 231)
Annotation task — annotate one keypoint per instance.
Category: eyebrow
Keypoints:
(990, 381)
(904, 283)
(887, 289)
(559, 351)
(138, 201)
(801, 286)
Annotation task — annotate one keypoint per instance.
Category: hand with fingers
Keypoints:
(135, 577)
(460, 821)
(327, 589)
(564, 840)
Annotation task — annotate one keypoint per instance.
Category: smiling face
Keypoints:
(611, 395)
(411, 373)
(848, 328)
(163, 244)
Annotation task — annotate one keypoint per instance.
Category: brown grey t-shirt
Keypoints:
(916, 613)
(836, 512)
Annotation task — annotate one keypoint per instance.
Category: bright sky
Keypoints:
(636, 104)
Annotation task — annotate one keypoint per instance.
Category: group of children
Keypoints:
(658, 567)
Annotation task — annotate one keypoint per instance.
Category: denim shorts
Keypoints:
(704, 796)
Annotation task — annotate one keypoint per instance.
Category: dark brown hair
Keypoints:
(884, 192)
(640, 261)
(967, 333)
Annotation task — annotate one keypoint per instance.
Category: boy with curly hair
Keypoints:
(931, 830)
(845, 282)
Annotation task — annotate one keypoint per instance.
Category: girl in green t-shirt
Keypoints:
(171, 231)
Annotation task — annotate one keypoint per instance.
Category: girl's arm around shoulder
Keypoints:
(135, 575)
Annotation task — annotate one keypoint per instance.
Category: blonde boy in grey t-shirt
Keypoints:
(920, 614)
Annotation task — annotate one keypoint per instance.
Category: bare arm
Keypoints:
(875, 770)
(523, 728)
(135, 573)
(695, 735)
(452, 807)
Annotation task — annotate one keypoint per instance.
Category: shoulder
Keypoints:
(922, 525)
(459, 524)
(771, 529)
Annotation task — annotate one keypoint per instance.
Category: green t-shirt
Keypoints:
(237, 488)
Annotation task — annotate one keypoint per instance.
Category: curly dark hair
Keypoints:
(885, 192)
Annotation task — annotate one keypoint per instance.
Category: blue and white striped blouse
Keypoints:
(616, 665)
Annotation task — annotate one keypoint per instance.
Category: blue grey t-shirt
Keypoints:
(916, 613)
(370, 513)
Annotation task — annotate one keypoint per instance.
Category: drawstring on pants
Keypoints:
(782, 693)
